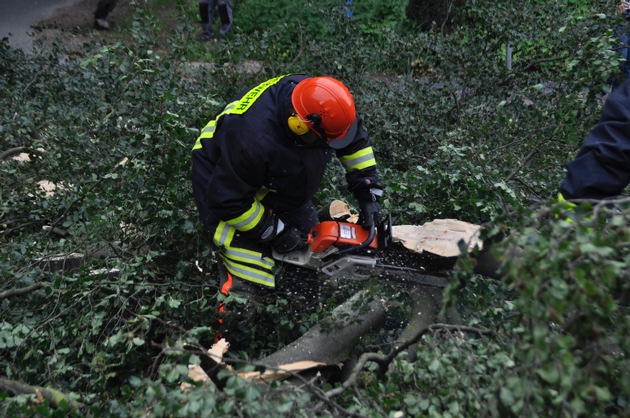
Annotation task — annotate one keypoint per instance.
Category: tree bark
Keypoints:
(333, 339)
(425, 307)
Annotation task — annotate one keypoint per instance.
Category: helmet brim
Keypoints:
(344, 141)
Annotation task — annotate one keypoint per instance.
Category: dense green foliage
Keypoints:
(457, 135)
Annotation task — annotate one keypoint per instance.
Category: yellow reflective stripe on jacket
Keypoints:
(262, 193)
(251, 274)
(208, 130)
(359, 160)
(249, 219)
(250, 97)
(237, 107)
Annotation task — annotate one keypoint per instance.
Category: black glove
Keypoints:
(280, 237)
(370, 212)
(270, 227)
(290, 239)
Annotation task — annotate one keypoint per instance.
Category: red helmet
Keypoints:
(324, 104)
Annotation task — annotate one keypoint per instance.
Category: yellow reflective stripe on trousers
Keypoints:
(568, 206)
(223, 239)
(359, 160)
(249, 219)
(250, 274)
(243, 263)
(248, 256)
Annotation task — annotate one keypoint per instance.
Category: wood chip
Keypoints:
(197, 374)
(217, 351)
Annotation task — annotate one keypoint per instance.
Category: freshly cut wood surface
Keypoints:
(440, 236)
(283, 371)
(338, 210)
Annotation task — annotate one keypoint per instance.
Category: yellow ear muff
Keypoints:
(297, 126)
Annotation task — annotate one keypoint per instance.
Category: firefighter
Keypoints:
(601, 168)
(258, 164)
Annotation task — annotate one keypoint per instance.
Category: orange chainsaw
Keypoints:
(346, 250)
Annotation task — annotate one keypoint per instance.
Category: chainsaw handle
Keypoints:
(355, 248)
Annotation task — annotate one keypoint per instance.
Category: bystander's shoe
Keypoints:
(101, 24)
(204, 37)
(225, 29)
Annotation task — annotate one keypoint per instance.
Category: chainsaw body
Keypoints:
(337, 249)
(346, 250)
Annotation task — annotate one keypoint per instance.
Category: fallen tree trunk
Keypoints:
(328, 343)
(425, 309)
(331, 341)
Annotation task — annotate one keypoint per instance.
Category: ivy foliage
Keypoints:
(457, 134)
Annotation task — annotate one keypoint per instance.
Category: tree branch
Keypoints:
(55, 397)
(21, 291)
(19, 150)
(385, 359)
(543, 60)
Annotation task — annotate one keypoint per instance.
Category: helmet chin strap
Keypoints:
(323, 138)
(310, 140)
(316, 120)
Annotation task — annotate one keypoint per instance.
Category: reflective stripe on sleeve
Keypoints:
(359, 160)
(262, 193)
(249, 219)
(223, 234)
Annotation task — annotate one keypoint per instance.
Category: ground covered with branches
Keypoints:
(109, 122)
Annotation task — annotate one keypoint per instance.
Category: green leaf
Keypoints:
(174, 303)
(506, 396)
(434, 365)
(549, 374)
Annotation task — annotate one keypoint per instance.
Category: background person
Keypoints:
(601, 168)
(621, 33)
(103, 9)
(206, 12)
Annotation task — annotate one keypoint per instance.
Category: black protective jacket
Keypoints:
(250, 158)
(602, 167)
